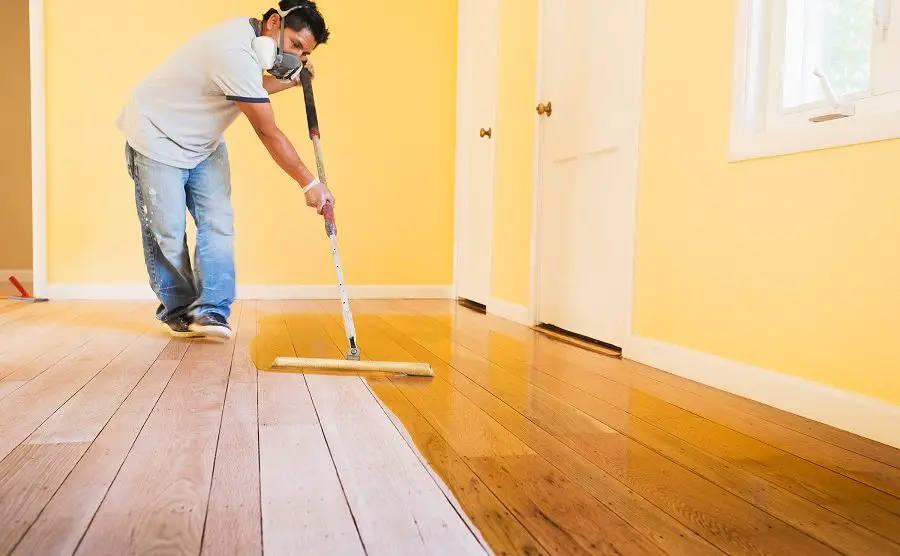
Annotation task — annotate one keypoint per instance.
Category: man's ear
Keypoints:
(273, 23)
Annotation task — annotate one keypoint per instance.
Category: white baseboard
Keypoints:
(139, 292)
(509, 311)
(22, 275)
(868, 417)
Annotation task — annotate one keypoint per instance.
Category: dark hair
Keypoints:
(307, 17)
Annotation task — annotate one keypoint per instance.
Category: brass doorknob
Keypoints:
(545, 108)
(484, 132)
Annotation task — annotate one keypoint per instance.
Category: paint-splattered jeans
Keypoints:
(162, 195)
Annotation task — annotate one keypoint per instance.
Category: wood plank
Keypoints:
(582, 525)
(504, 533)
(12, 308)
(8, 387)
(28, 477)
(36, 356)
(158, 500)
(234, 517)
(304, 509)
(810, 518)
(25, 409)
(852, 442)
(854, 501)
(412, 515)
(719, 517)
(175, 349)
(865, 460)
(33, 337)
(85, 414)
(77, 424)
(806, 516)
(16, 326)
(490, 509)
(403, 511)
(243, 368)
(62, 523)
(850, 464)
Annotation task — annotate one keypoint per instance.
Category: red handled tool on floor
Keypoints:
(353, 362)
(25, 297)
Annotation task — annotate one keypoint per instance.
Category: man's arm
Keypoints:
(262, 118)
(273, 85)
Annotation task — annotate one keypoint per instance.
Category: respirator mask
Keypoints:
(272, 57)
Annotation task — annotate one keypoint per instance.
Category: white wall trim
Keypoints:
(630, 233)
(868, 417)
(143, 292)
(534, 291)
(509, 311)
(463, 74)
(838, 133)
(38, 148)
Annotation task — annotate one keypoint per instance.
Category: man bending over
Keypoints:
(176, 155)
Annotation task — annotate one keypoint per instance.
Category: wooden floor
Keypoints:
(115, 439)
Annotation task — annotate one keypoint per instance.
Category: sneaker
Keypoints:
(180, 327)
(211, 324)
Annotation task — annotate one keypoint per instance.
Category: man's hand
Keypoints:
(276, 85)
(312, 74)
(317, 196)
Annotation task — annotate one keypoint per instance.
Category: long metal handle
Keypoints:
(345, 302)
(312, 120)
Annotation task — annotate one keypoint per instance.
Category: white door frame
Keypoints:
(632, 193)
(38, 148)
(464, 138)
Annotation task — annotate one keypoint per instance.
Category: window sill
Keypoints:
(854, 130)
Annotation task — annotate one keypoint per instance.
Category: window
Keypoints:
(813, 74)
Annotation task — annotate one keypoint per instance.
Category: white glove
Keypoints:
(317, 194)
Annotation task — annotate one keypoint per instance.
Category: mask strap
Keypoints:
(283, 16)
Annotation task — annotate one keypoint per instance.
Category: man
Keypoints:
(178, 161)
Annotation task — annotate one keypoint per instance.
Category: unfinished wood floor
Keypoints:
(115, 439)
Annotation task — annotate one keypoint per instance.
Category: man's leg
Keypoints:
(160, 202)
(209, 200)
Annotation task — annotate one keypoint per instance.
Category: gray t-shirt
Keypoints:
(177, 115)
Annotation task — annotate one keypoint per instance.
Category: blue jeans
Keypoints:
(162, 195)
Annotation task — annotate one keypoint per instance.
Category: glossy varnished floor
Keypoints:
(115, 439)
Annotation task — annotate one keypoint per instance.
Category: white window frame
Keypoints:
(759, 128)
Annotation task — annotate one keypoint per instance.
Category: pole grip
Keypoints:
(328, 214)
(312, 119)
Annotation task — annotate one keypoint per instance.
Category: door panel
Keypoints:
(479, 21)
(591, 52)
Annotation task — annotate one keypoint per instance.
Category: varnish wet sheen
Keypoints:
(116, 438)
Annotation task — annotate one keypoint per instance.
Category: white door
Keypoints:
(478, 67)
(591, 82)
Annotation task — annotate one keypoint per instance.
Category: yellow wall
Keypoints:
(15, 139)
(789, 263)
(514, 186)
(386, 105)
